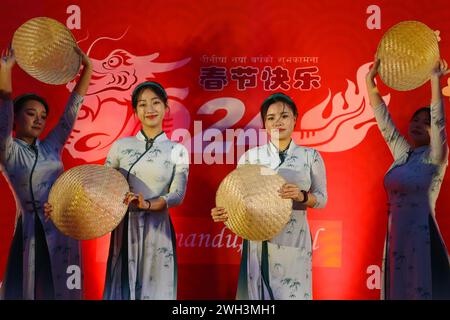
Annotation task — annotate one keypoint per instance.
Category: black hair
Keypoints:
(154, 86)
(427, 110)
(20, 101)
(277, 97)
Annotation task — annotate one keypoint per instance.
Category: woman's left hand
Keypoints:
(82, 85)
(136, 200)
(370, 77)
(440, 69)
(7, 62)
(291, 191)
(48, 210)
(8, 59)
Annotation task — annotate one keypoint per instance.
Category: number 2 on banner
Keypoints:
(235, 109)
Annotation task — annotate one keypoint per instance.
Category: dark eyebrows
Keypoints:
(273, 114)
(154, 98)
(34, 110)
(427, 121)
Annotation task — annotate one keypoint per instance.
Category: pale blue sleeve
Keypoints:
(178, 184)
(318, 180)
(6, 126)
(244, 159)
(60, 133)
(112, 159)
(249, 157)
(438, 137)
(395, 141)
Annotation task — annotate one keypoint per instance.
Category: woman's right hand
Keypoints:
(83, 83)
(375, 98)
(219, 214)
(373, 71)
(136, 200)
(440, 69)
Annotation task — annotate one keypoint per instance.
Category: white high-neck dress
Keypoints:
(142, 258)
(416, 263)
(41, 258)
(289, 252)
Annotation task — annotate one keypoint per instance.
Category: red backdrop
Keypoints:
(220, 59)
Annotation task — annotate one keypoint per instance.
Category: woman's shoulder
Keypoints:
(257, 149)
(173, 144)
(125, 142)
(253, 154)
(307, 154)
(306, 150)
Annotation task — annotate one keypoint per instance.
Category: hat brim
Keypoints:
(44, 48)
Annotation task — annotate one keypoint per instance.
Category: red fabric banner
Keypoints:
(218, 60)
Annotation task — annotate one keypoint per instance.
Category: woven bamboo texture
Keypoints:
(407, 52)
(44, 49)
(88, 201)
(249, 194)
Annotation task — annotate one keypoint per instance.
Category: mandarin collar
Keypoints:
(159, 137)
(27, 145)
(274, 150)
(420, 149)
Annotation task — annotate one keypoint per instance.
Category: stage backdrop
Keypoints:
(218, 61)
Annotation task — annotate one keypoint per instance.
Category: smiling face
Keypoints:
(30, 119)
(280, 121)
(419, 129)
(150, 109)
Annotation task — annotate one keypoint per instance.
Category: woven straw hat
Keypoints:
(88, 201)
(408, 52)
(249, 194)
(44, 49)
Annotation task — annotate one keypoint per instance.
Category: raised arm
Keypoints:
(59, 134)
(6, 106)
(83, 84)
(438, 136)
(396, 142)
